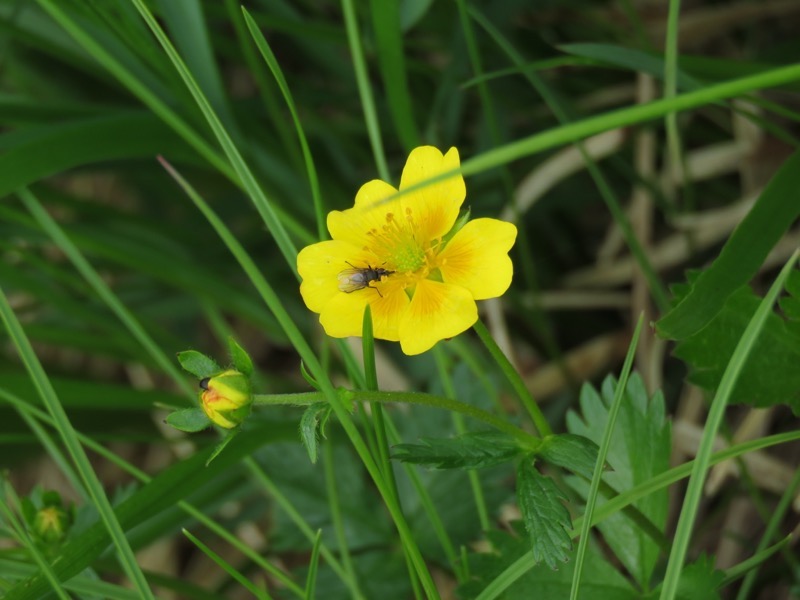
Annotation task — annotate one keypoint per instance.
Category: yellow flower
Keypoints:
(226, 398)
(394, 254)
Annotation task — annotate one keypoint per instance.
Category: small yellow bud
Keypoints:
(226, 398)
(51, 524)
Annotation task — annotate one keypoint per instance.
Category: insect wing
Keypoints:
(351, 280)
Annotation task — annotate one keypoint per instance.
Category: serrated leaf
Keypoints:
(546, 518)
(190, 420)
(469, 451)
(240, 358)
(311, 424)
(198, 364)
(573, 452)
(639, 450)
(741, 257)
(599, 580)
(769, 375)
(699, 581)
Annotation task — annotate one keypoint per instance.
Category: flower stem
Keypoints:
(306, 398)
(514, 378)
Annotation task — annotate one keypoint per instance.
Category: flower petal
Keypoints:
(477, 258)
(434, 207)
(369, 213)
(343, 316)
(437, 311)
(320, 264)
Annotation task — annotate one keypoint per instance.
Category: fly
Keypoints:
(354, 279)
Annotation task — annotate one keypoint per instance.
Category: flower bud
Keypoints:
(51, 523)
(226, 398)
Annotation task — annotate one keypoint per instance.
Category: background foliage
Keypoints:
(686, 161)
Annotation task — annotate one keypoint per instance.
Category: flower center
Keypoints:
(396, 244)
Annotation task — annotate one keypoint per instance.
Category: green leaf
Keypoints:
(741, 257)
(699, 581)
(241, 359)
(469, 451)
(639, 451)
(190, 420)
(546, 518)
(573, 452)
(32, 154)
(601, 580)
(769, 375)
(311, 424)
(197, 364)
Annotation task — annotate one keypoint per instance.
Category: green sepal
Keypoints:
(463, 219)
(232, 433)
(190, 420)
(198, 364)
(241, 359)
(312, 426)
(570, 451)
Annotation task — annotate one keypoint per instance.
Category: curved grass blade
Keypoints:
(277, 73)
(742, 255)
(605, 443)
(70, 439)
(694, 490)
(227, 567)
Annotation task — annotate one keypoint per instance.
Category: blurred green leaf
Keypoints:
(469, 451)
(699, 581)
(740, 258)
(600, 579)
(199, 365)
(770, 375)
(639, 450)
(546, 518)
(190, 420)
(28, 155)
(573, 452)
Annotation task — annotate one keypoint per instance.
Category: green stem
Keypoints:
(306, 398)
(514, 378)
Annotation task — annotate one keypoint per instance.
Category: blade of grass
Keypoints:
(716, 413)
(526, 562)
(328, 464)
(365, 89)
(391, 59)
(76, 452)
(188, 508)
(535, 413)
(769, 533)
(277, 73)
(18, 527)
(227, 567)
(100, 287)
(615, 208)
(605, 444)
(313, 564)
(379, 426)
(243, 172)
(671, 90)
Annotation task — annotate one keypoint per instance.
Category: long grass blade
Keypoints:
(694, 490)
